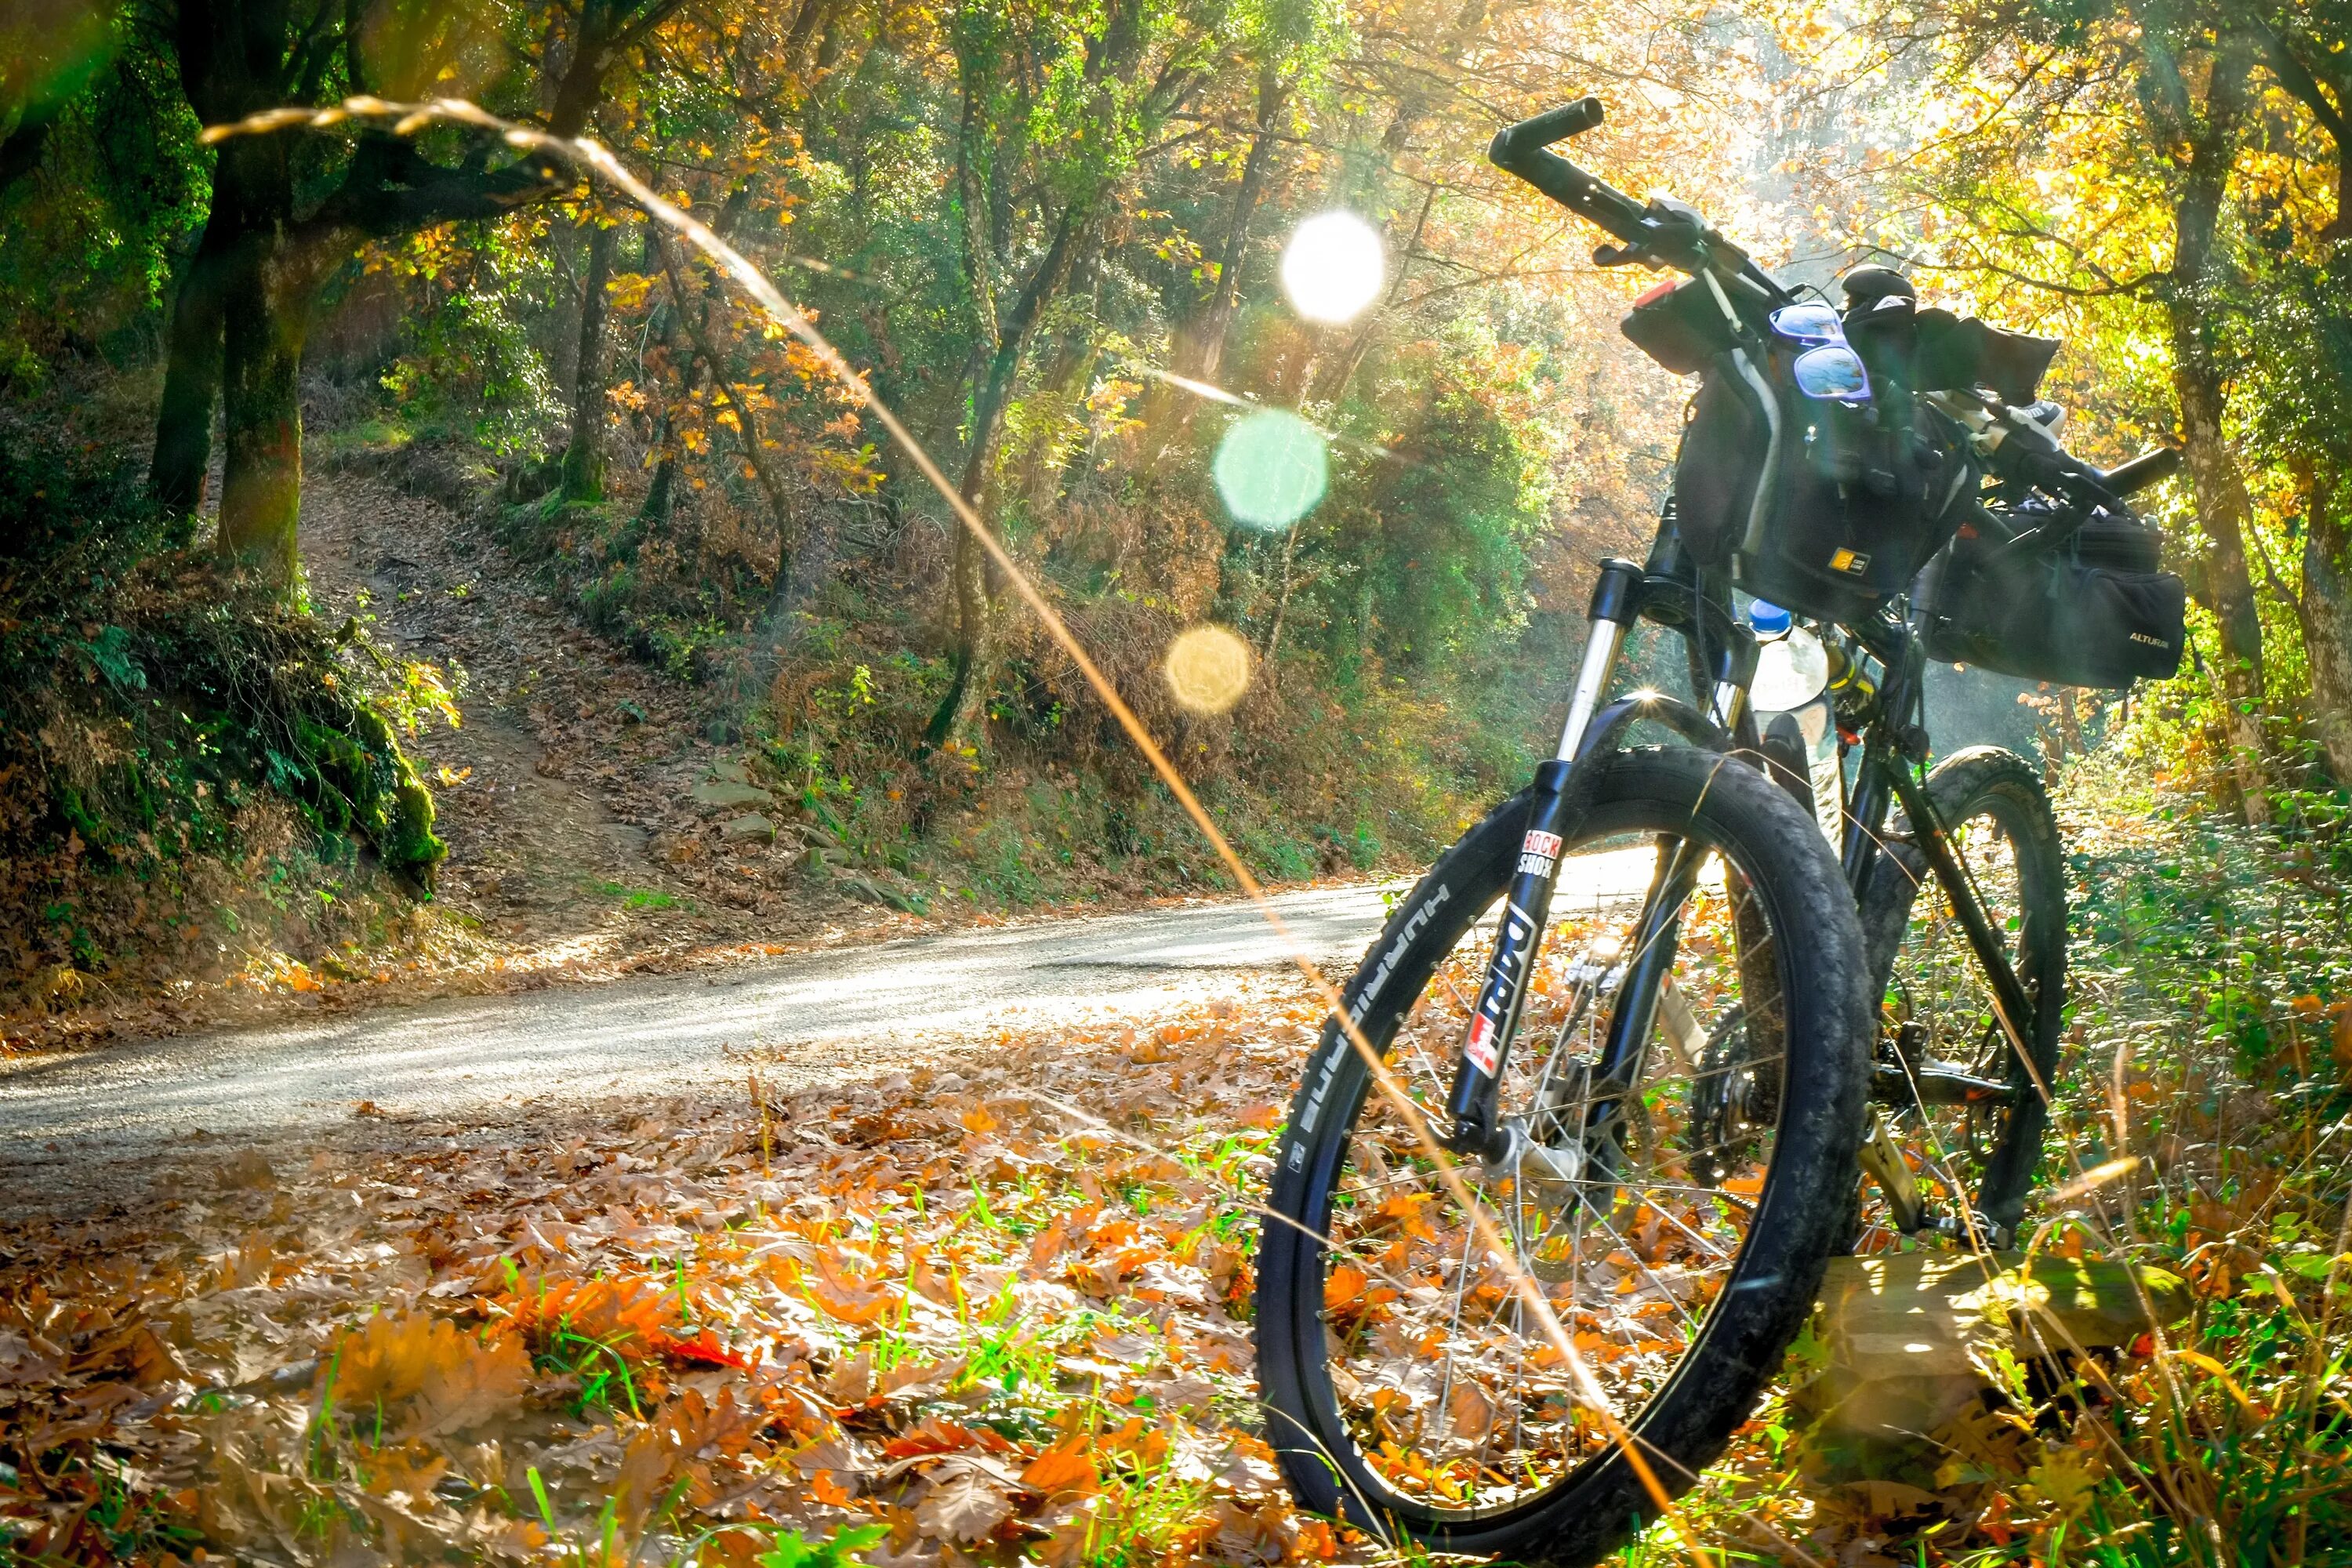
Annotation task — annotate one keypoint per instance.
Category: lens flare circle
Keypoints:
(1333, 268)
(1271, 469)
(1208, 669)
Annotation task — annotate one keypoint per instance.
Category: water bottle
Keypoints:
(1790, 695)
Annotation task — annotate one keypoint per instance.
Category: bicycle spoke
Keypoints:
(1490, 1415)
(1940, 1012)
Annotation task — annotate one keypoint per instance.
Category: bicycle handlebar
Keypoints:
(1523, 150)
(2148, 468)
(1543, 130)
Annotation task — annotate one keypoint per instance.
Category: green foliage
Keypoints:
(2298, 311)
(2215, 973)
(85, 240)
(1437, 531)
(791, 1549)
(148, 707)
(470, 366)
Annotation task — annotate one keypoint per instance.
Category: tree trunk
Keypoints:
(2226, 587)
(2325, 611)
(654, 513)
(268, 313)
(967, 570)
(2223, 506)
(583, 454)
(1281, 607)
(1211, 337)
(1359, 342)
(746, 425)
(183, 421)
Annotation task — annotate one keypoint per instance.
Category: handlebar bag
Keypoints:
(1826, 506)
(2094, 611)
(1679, 325)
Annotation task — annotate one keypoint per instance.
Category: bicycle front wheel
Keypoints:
(1408, 1386)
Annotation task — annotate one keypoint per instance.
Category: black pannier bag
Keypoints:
(2095, 610)
(1829, 507)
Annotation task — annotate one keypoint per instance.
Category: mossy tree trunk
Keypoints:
(2324, 610)
(182, 467)
(267, 317)
(583, 453)
(243, 312)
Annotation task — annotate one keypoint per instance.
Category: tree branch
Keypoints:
(747, 426)
(391, 188)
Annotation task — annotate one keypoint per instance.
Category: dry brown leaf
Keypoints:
(416, 1376)
(851, 1382)
(965, 1504)
(1469, 1413)
(1247, 1535)
(920, 1380)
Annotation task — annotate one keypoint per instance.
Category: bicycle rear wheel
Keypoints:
(1967, 1109)
(1407, 1386)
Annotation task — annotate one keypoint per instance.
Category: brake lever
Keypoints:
(1625, 256)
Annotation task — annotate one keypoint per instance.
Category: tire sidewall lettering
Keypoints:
(1337, 1050)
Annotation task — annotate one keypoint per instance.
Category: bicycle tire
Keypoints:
(1982, 785)
(1771, 1280)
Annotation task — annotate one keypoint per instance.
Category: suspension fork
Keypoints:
(1616, 603)
(1657, 936)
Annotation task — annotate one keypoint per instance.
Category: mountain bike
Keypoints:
(1682, 1049)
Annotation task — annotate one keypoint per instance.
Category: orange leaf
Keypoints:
(978, 1119)
(1047, 1243)
(705, 1348)
(826, 1490)
(854, 1306)
(1063, 1467)
(417, 1375)
(1343, 1285)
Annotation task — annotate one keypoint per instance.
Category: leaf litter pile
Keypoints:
(997, 1311)
(937, 1317)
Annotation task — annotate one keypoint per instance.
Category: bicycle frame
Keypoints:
(1670, 593)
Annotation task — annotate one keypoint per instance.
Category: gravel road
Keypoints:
(810, 1016)
(804, 1019)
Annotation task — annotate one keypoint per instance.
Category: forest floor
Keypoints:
(997, 1308)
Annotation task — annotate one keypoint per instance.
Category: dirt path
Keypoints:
(91, 1121)
(544, 847)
